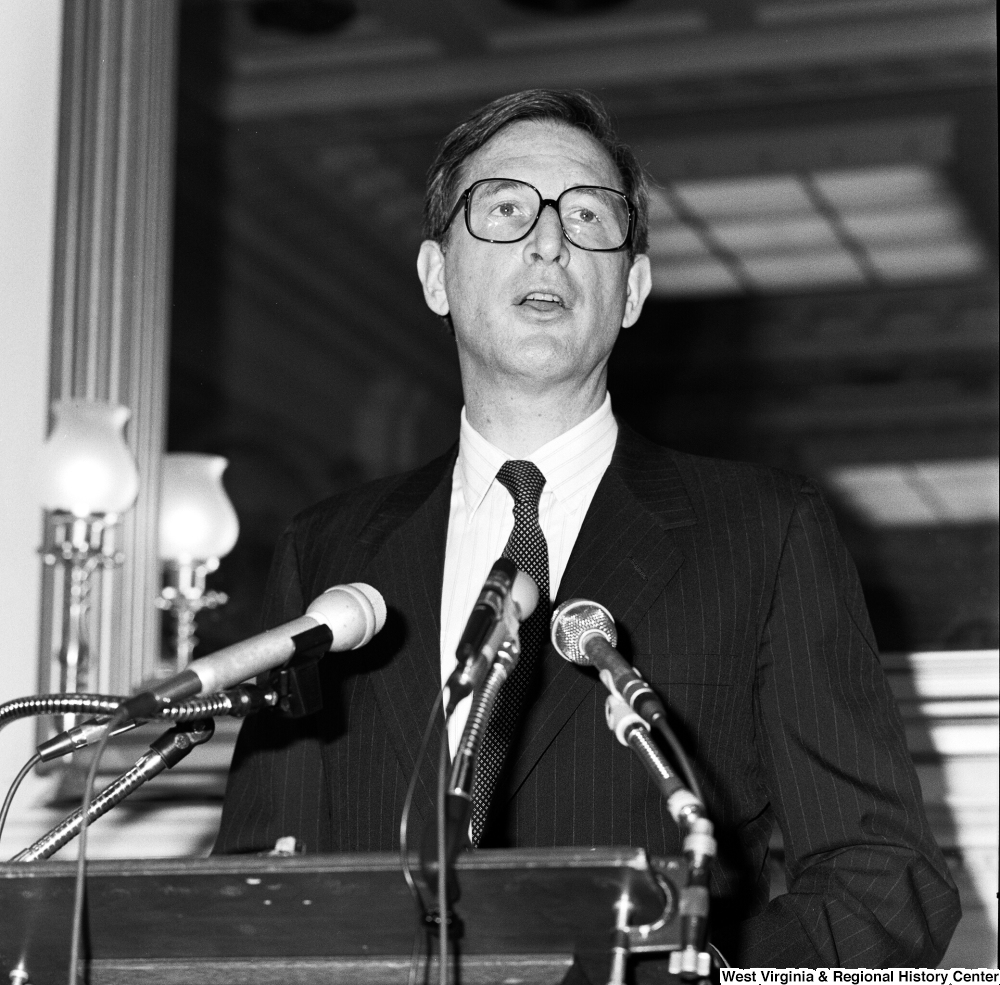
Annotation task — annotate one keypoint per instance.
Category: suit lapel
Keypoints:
(408, 568)
(623, 558)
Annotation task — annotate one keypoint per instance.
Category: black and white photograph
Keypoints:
(499, 491)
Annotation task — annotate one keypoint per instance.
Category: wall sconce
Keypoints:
(88, 479)
(198, 526)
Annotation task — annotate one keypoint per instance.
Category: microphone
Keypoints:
(584, 633)
(507, 598)
(349, 615)
(692, 960)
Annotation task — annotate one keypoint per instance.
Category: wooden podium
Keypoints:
(531, 916)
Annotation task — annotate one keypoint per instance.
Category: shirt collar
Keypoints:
(572, 463)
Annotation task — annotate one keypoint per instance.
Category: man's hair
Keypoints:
(575, 108)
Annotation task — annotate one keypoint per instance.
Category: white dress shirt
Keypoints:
(482, 518)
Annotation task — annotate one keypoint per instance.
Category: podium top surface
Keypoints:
(558, 900)
(509, 859)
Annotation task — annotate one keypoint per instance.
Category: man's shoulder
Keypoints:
(707, 480)
(724, 476)
(391, 497)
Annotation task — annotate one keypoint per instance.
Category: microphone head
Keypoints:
(354, 614)
(576, 619)
(524, 593)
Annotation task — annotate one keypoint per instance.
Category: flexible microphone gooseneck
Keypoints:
(499, 660)
(584, 632)
(348, 616)
(463, 769)
(235, 702)
(163, 753)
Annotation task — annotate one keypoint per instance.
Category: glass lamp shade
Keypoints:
(86, 466)
(197, 520)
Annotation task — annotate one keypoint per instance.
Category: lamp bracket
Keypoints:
(82, 542)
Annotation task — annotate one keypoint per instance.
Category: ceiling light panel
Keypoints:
(779, 235)
(694, 278)
(667, 242)
(904, 223)
(794, 232)
(904, 262)
(863, 187)
(745, 197)
(883, 496)
(906, 494)
(797, 270)
(967, 491)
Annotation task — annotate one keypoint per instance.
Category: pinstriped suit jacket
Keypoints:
(735, 597)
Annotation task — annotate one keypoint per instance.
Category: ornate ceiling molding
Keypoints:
(959, 45)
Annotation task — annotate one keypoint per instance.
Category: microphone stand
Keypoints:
(164, 752)
(458, 794)
(693, 960)
(440, 877)
(463, 771)
(236, 702)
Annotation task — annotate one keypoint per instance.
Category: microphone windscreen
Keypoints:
(354, 613)
(376, 601)
(576, 619)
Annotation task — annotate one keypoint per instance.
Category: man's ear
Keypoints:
(640, 280)
(430, 270)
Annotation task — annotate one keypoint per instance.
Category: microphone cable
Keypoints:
(442, 854)
(120, 716)
(680, 757)
(404, 821)
(18, 780)
(415, 952)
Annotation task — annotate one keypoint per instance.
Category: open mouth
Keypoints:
(543, 301)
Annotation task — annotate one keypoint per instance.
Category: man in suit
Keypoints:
(730, 587)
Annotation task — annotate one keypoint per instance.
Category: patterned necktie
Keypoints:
(528, 550)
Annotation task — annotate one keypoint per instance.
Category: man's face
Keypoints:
(540, 311)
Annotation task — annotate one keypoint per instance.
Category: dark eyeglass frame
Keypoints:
(465, 199)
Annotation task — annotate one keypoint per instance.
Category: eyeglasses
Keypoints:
(503, 210)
